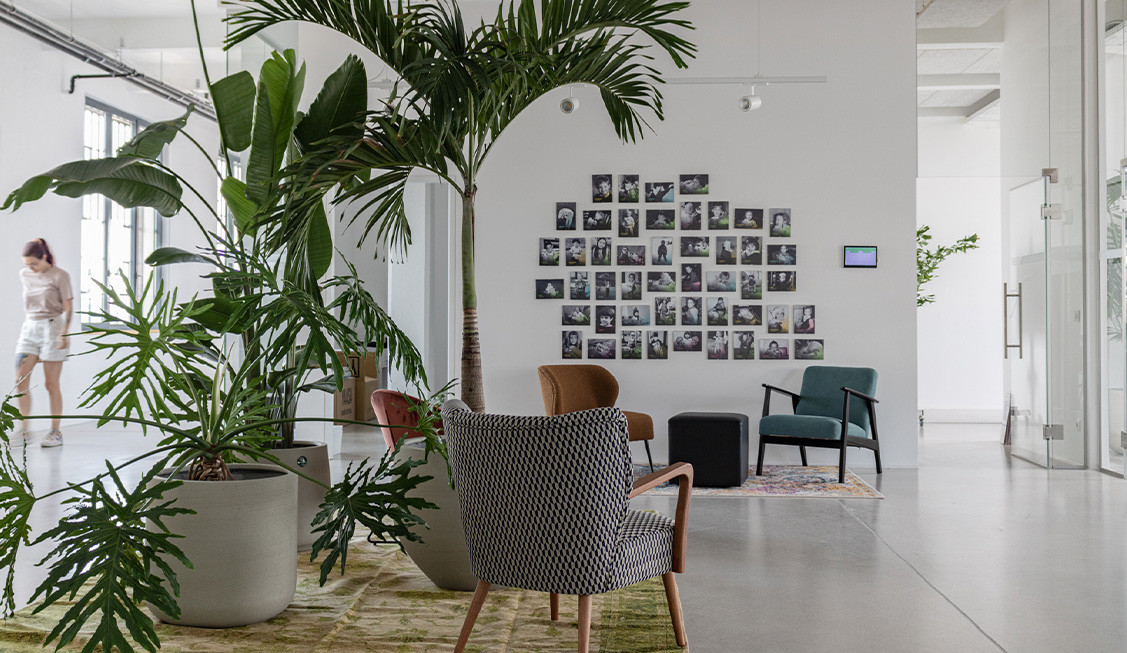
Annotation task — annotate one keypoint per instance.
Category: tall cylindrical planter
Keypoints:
(442, 555)
(311, 459)
(241, 543)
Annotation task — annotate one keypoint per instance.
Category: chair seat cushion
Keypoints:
(807, 426)
(643, 549)
(639, 426)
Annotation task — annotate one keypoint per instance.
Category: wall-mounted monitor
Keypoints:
(860, 256)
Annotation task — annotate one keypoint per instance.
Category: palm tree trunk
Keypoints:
(473, 390)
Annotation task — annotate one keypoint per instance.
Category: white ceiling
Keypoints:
(953, 20)
(932, 14)
(61, 10)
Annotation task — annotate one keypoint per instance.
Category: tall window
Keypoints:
(113, 238)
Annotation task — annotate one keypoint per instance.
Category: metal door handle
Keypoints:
(1006, 295)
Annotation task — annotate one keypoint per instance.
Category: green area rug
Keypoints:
(816, 481)
(385, 604)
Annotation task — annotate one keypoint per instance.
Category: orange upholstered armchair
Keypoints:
(393, 407)
(571, 388)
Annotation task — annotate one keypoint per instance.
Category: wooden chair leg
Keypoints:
(841, 463)
(759, 463)
(475, 607)
(802, 452)
(554, 601)
(674, 600)
(651, 458)
(584, 623)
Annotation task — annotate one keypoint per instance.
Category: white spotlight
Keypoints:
(750, 102)
(569, 105)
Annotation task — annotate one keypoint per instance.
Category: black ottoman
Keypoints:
(714, 443)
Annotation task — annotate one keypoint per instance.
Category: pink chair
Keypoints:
(394, 408)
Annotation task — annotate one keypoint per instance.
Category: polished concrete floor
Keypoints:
(973, 551)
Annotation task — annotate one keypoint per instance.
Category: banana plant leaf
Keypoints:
(128, 180)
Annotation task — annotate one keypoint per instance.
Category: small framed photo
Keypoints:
(665, 311)
(631, 254)
(657, 345)
(549, 251)
(597, 220)
(751, 284)
(572, 345)
(690, 311)
(687, 341)
(549, 289)
(803, 321)
(751, 250)
(717, 345)
(782, 281)
(748, 218)
(601, 348)
(690, 216)
(576, 251)
(809, 350)
(565, 216)
(631, 286)
(747, 315)
(778, 318)
(635, 315)
(660, 219)
(605, 319)
(659, 192)
(628, 189)
(717, 215)
(717, 311)
(780, 223)
(694, 185)
(628, 223)
(725, 250)
(690, 277)
(631, 345)
(605, 286)
(743, 347)
(601, 251)
(774, 349)
(576, 315)
(580, 287)
(661, 282)
(782, 255)
(601, 189)
(661, 250)
(721, 282)
(695, 246)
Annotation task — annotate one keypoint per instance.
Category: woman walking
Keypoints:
(48, 306)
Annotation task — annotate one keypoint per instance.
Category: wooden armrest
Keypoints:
(861, 395)
(684, 494)
(788, 393)
(794, 398)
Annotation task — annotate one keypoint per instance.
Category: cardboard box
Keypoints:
(365, 373)
(364, 389)
(344, 402)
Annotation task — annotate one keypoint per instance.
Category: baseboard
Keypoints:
(963, 415)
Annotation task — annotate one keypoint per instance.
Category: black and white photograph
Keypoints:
(601, 251)
(782, 281)
(743, 345)
(597, 220)
(747, 315)
(631, 345)
(661, 250)
(600, 348)
(717, 311)
(665, 311)
(631, 286)
(628, 223)
(549, 251)
(631, 254)
(809, 350)
(602, 189)
(691, 311)
(635, 315)
(549, 289)
(751, 250)
(605, 286)
(565, 216)
(780, 223)
(695, 246)
(748, 218)
(694, 185)
(657, 345)
(660, 219)
(751, 284)
(778, 318)
(726, 250)
(661, 282)
(774, 349)
(721, 282)
(605, 319)
(690, 216)
(803, 320)
(782, 255)
(572, 345)
(717, 215)
(628, 189)
(687, 341)
(690, 277)
(580, 286)
(576, 251)
(659, 192)
(717, 345)
(576, 315)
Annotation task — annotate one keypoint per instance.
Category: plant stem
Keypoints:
(473, 390)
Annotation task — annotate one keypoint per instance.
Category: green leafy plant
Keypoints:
(928, 259)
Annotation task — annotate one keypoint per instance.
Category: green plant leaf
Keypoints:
(243, 208)
(341, 103)
(152, 139)
(17, 498)
(170, 255)
(319, 243)
(280, 84)
(130, 181)
(233, 98)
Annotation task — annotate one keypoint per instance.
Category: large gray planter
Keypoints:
(442, 555)
(311, 459)
(241, 543)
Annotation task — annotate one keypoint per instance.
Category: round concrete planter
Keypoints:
(442, 555)
(311, 459)
(241, 543)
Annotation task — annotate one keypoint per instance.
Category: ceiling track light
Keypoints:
(751, 101)
(569, 104)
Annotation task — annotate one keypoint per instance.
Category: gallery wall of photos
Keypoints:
(652, 267)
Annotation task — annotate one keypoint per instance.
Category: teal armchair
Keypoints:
(835, 410)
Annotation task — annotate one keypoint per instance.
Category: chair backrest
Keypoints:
(568, 388)
(394, 408)
(542, 498)
(822, 395)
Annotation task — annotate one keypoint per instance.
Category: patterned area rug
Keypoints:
(386, 604)
(782, 481)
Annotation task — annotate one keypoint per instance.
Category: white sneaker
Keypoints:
(54, 438)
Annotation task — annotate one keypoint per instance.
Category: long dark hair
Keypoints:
(39, 249)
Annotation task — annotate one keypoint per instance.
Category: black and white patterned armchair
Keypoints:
(545, 507)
